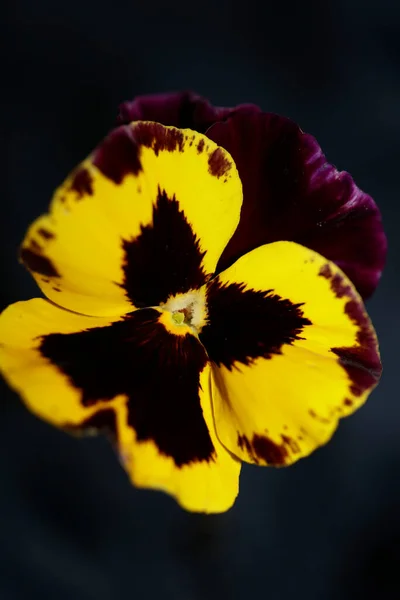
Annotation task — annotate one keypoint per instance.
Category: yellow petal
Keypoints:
(143, 379)
(145, 217)
(46, 390)
(293, 352)
(209, 486)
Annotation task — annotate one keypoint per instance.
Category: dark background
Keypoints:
(71, 525)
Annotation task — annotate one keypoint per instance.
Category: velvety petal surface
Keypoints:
(146, 216)
(292, 193)
(140, 379)
(180, 109)
(292, 349)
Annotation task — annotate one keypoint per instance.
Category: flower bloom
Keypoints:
(200, 310)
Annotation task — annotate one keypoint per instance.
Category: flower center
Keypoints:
(185, 315)
(178, 317)
(188, 309)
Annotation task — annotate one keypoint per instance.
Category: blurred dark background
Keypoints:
(71, 525)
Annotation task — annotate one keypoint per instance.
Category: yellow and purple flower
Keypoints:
(201, 270)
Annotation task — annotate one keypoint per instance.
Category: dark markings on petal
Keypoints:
(314, 415)
(45, 233)
(244, 443)
(348, 402)
(218, 163)
(361, 361)
(82, 183)
(103, 421)
(158, 372)
(158, 137)
(263, 448)
(338, 285)
(118, 155)
(200, 146)
(362, 367)
(165, 259)
(38, 263)
(35, 246)
(248, 324)
(291, 443)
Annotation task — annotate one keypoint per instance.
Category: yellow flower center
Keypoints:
(188, 310)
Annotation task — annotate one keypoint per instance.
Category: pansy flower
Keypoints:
(200, 310)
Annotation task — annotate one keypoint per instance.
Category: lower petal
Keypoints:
(140, 379)
(209, 485)
(293, 352)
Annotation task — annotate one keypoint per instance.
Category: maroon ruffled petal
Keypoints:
(180, 109)
(292, 193)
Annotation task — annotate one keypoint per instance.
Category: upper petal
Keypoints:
(293, 349)
(291, 193)
(180, 109)
(146, 216)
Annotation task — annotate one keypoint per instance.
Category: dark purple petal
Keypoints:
(292, 193)
(181, 109)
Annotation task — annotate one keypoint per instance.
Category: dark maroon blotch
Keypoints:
(200, 146)
(218, 163)
(244, 443)
(291, 443)
(38, 263)
(361, 365)
(246, 324)
(35, 246)
(158, 372)
(269, 451)
(361, 361)
(165, 258)
(158, 137)
(45, 233)
(82, 183)
(338, 284)
(118, 155)
(263, 448)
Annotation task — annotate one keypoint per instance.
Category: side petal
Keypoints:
(146, 216)
(26, 329)
(293, 352)
(180, 109)
(141, 380)
(291, 193)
